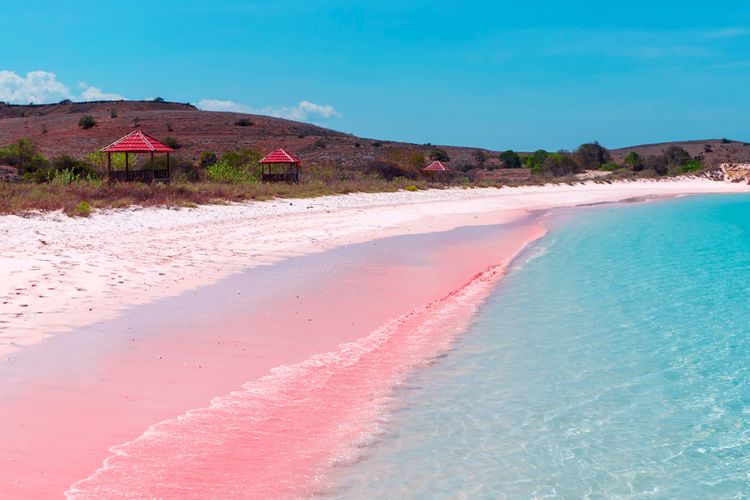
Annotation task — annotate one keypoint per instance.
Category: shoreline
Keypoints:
(65, 273)
(179, 355)
(80, 394)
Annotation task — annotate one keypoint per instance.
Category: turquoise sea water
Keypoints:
(614, 361)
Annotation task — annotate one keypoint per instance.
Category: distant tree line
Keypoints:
(393, 163)
(594, 156)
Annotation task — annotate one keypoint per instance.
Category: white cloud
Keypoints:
(304, 111)
(42, 87)
(90, 93)
(220, 105)
(36, 86)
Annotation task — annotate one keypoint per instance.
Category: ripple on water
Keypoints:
(613, 363)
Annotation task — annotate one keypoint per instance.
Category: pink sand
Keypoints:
(240, 401)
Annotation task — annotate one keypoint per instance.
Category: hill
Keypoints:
(54, 128)
(712, 151)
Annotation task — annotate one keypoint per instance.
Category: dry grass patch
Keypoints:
(19, 198)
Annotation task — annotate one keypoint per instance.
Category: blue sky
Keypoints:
(518, 74)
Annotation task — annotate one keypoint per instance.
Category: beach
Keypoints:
(132, 333)
(61, 272)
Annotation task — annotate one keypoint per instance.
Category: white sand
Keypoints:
(59, 273)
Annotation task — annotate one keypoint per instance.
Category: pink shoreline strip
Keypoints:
(58, 427)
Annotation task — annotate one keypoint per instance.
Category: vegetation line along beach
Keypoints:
(218, 162)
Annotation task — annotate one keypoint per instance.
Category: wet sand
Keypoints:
(65, 402)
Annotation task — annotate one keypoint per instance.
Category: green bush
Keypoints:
(389, 170)
(172, 142)
(411, 188)
(223, 171)
(23, 155)
(416, 160)
(245, 157)
(86, 122)
(610, 166)
(208, 158)
(536, 160)
(83, 209)
(63, 177)
(559, 165)
(439, 155)
(81, 168)
(691, 166)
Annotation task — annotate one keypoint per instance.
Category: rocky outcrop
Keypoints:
(730, 172)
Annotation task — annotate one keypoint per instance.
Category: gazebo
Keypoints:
(137, 142)
(280, 166)
(436, 168)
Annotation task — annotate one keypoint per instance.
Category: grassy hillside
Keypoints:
(54, 128)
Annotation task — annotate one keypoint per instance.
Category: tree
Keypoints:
(86, 122)
(158, 99)
(559, 165)
(657, 163)
(510, 159)
(634, 161)
(536, 160)
(480, 157)
(23, 155)
(439, 155)
(677, 156)
(592, 155)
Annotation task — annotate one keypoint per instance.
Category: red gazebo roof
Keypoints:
(280, 156)
(436, 166)
(137, 142)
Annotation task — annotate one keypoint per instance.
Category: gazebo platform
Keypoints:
(147, 176)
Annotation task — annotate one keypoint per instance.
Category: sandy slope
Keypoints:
(59, 273)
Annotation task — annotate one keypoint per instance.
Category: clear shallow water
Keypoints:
(614, 362)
